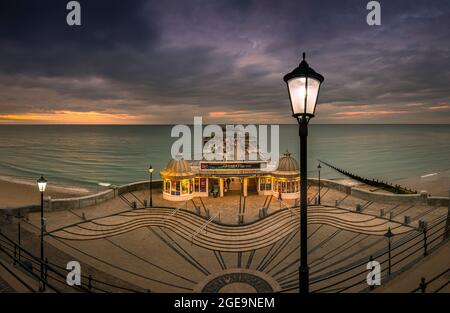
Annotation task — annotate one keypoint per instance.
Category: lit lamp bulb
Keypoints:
(42, 184)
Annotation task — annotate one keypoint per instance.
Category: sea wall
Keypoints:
(115, 191)
(331, 184)
(380, 197)
(137, 186)
(97, 198)
(389, 198)
(79, 202)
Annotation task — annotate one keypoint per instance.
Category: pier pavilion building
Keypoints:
(183, 180)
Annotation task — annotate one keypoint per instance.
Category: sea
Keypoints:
(89, 155)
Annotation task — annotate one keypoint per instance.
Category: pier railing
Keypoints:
(54, 274)
(424, 285)
(404, 253)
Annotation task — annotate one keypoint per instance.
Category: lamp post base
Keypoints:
(304, 279)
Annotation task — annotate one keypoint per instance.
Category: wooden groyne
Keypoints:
(373, 182)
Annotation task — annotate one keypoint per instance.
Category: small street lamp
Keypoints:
(318, 168)
(42, 184)
(389, 236)
(150, 187)
(303, 85)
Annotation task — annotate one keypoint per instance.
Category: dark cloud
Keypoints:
(150, 58)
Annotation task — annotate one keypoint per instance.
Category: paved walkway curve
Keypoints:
(228, 238)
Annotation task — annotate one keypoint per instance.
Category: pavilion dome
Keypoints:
(287, 166)
(177, 168)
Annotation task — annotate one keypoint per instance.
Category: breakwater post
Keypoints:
(373, 182)
(447, 224)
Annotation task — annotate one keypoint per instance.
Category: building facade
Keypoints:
(183, 180)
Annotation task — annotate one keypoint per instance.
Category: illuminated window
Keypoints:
(175, 188)
(184, 186)
(265, 183)
(262, 183)
(268, 183)
(167, 186)
(202, 184)
(196, 185)
(199, 185)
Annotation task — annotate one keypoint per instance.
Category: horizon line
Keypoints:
(167, 124)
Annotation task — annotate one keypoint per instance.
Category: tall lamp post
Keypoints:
(150, 187)
(303, 85)
(318, 168)
(389, 236)
(42, 184)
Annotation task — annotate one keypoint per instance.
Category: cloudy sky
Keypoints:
(139, 62)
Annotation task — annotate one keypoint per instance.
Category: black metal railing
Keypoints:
(53, 273)
(424, 284)
(402, 254)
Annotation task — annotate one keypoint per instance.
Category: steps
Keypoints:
(231, 238)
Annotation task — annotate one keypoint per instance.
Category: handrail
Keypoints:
(426, 283)
(34, 275)
(415, 247)
(37, 261)
(17, 277)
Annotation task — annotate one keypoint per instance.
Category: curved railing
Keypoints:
(54, 274)
(404, 253)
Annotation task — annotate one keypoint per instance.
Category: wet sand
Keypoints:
(15, 193)
(436, 184)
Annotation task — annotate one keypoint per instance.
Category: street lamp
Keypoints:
(150, 170)
(389, 236)
(303, 85)
(42, 184)
(318, 168)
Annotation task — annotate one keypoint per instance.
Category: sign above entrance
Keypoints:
(232, 166)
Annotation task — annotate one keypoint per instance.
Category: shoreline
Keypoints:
(19, 192)
(436, 184)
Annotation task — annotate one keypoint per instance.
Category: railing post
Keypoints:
(447, 224)
(425, 246)
(423, 285)
(19, 231)
(15, 254)
(372, 286)
(45, 272)
(90, 282)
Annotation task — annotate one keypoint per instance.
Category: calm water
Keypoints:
(87, 155)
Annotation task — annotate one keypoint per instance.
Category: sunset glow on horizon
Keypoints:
(67, 117)
(224, 61)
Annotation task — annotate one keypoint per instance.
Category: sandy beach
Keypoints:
(18, 193)
(436, 184)
(21, 192)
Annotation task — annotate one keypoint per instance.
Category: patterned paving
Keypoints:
(214, 236)
(171, 250)
(164, 249)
